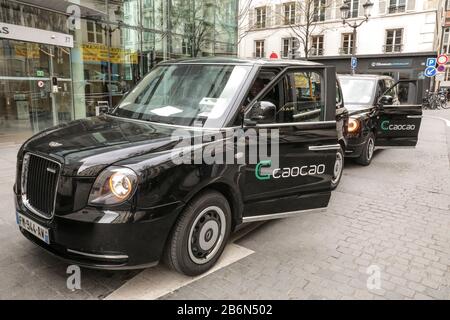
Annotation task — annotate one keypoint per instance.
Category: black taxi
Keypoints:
(383, 114)
(197, 149)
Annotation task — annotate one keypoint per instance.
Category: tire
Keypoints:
(338, 169)
(200, 234)
(367, 155)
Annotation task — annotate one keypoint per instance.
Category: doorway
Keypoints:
(35, 88)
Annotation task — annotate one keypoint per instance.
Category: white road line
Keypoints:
(447, 122)
(156, 282)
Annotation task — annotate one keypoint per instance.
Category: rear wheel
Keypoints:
(338, 169)
(200, 234)
(367, 154)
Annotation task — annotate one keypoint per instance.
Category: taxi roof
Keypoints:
(240, 61)
(364, 76)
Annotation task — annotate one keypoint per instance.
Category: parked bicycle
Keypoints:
(436, 100)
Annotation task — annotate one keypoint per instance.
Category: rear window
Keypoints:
(358, 91)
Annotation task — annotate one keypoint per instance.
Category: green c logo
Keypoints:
(265, 163)
(385, 125)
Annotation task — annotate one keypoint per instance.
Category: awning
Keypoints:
(88, 8)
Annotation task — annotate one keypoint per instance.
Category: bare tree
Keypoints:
(243, 18)
(309, 14)
(303, 17)
(199, 28)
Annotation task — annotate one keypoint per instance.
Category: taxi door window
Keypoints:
(339, 98)
(305, 99)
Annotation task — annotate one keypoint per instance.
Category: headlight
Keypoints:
(113, 186)
(353, 125)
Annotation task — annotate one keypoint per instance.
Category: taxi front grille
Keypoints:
(39, 184)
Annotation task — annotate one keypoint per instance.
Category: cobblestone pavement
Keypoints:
(394, 215)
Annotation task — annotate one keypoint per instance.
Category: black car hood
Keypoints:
(88, 146)
(358, 109)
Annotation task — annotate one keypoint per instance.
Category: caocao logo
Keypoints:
(386, 126)
(283, 173)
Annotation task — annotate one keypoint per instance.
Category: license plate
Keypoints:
(34, 228)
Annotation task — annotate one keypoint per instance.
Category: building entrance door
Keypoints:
(29, 102)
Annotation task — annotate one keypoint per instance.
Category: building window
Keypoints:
(354, 8)
(445, 42)
(261, 17)
(259, 49)
(396, 6)
(289, 47)
(289, 13)
(347, 43)
(319, 10)
(94, 32)
(394, 39)
(316, 46)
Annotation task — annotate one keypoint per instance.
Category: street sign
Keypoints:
(441, 68)
(431, 62)
(440, 77)
(273, 55)
(354, 63)
(442, 59)
(430, 72)
(41, 84)
(40, 73)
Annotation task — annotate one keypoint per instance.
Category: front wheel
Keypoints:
(367, 154)
(338, 169)
(199, 235)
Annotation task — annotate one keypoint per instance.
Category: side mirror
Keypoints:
(262, 112)
(386, 100)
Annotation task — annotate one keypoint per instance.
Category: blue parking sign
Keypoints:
(431, 62)
(430, 72)
(354, 62)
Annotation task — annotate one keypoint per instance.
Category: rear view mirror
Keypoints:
(262, 112)
(386, 100)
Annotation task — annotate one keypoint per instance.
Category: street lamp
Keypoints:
(345, 14)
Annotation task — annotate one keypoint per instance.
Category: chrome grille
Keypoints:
(40, 178)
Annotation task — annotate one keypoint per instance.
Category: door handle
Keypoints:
(325, 147)
(414, 117)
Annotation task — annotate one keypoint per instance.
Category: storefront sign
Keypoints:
(15, 32)
(391, 64)
(99, 53)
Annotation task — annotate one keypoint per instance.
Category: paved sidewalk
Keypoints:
(394, 214)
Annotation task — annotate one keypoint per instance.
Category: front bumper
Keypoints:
(355, 147)
(107, 239)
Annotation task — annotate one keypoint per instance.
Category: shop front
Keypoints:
(66, 60)
(409, 66)
(35, 81)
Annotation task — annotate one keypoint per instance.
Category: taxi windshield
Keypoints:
(357, 91)
(185, 94)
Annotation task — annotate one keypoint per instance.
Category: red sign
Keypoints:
(442, 59)
(41, 84)
(273, 55)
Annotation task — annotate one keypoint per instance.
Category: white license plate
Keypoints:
(34, 228)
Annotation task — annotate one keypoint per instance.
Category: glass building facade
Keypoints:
(115, 43)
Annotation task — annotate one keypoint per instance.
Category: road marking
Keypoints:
(156, 282)
(447, 122)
